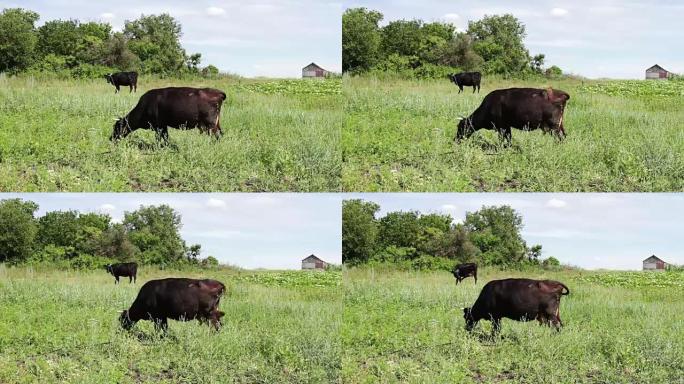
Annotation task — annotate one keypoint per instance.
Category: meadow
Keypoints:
(408, 327)
(278, 135)
(398, 135)
(61, 327)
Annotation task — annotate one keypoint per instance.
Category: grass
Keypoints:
(278, 135)
(61, 327)
(622, 136)
(408, 327)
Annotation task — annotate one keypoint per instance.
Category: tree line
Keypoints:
(71, 239)
(149, 44)
(414, 48)
(410, 239)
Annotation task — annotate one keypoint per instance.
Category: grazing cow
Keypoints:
(469, 79)
(517, 299)
(182, 108)
(462, 271)
(123, 269)
(129, 79)
(177, 299)
(521, 108)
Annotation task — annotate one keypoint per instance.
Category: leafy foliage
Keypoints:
(292, 279)
(635, 88)
(635, 279)
(295, 87)
(69, 48)
(416, 49)
(412, 240)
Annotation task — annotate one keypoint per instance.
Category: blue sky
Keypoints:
(590, 230)
(593, 38)
(263, 230)
(274, 38)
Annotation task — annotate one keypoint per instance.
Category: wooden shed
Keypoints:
(314, 71)
(657, 72)
(313, 262)
(654, 263)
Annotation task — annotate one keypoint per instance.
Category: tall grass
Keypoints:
(409, 327)
(398, 136)
(58, 326)
(54, 136)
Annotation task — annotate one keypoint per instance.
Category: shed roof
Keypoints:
(656, 68)
(312, 257)
(653, 258)
(313, 65)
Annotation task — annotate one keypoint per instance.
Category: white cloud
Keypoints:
(215, 11)
(556, 203)
(216, 203)
(107, 207)
(448, 207)
(107, 16)
(451, 17)
(559, 12)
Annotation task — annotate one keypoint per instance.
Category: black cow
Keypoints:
(177, 299)
(129, 79)
(522, 108)
(517, 299)
(469, 79)
(462, 271)
(123, 269)
(182, 108)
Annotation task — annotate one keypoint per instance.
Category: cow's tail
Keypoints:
(567, 290)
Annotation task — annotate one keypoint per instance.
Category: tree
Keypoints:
(210, 71)
(553, 72)
(193, 62)
(18, 229)
(459, 52)
(155, 231)
(59, 228)
(537, 63)
(118, 55)
(193, 253)
(499, 41)
(18, 39)
(114, 243)
(534, 253)
(456, 245)
(400, 229)
(59, 37)
(360, 39)
(551, 262)
(359, 230)
(155, 39)
(496, 232)
(210, 262)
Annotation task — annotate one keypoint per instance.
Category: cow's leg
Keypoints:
(475, 276)
(130, 88)
(130, 279)
(116, 279)
(460, 88)
(117, 89)
(505, 135)
(474, 88)
(162, 135)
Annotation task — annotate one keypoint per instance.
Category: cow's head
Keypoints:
(469, 319)
(125, 320)
(108, 268)
(465, 129)
(109, 79)
(121, 129)
(556, 96)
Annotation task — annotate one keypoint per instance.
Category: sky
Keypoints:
(589, 230)
(271, 231)
(273, 38)
(592, 38)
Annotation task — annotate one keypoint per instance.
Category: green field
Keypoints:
(408, 327)
(622, 136)
(61, 327)
(278, 135)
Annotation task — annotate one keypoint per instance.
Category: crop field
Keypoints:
(398, 135)
(408, 327)
(278, 135)
(62, 327)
